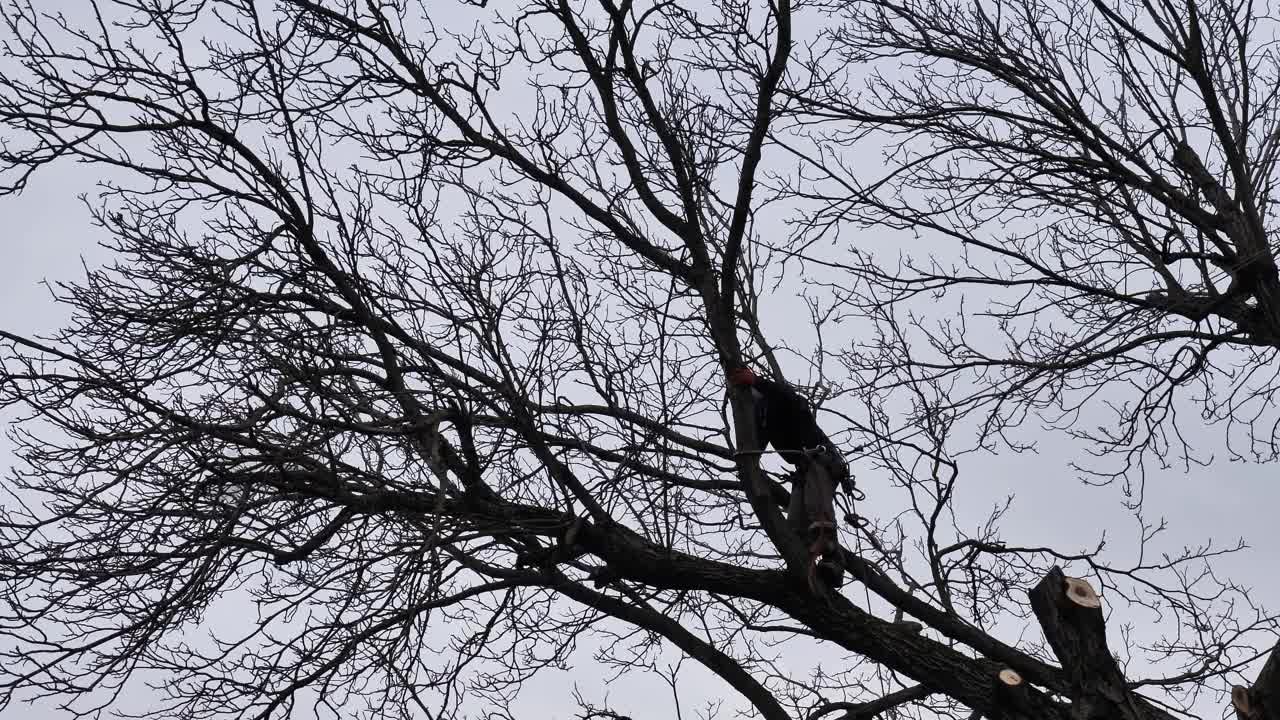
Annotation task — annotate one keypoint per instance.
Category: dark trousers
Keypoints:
(812, 512)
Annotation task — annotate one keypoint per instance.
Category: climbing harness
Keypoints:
(817, 505)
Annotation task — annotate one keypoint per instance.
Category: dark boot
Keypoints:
(831, 572)
(824, 553)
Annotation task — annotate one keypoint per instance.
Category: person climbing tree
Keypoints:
(785, 421)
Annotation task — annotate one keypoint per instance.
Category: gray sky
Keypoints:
(47, 234)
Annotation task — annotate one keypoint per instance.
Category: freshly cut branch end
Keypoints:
(1010, 677)
(1081, 593)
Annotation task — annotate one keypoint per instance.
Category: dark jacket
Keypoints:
(785, 421)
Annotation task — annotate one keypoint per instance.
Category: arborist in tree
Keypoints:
(785, 421)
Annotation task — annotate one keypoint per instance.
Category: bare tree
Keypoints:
(1106, 171)
(414, 343)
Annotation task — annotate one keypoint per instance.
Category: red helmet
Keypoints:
(742, 376)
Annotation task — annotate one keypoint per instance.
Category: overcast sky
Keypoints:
(47, 235)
